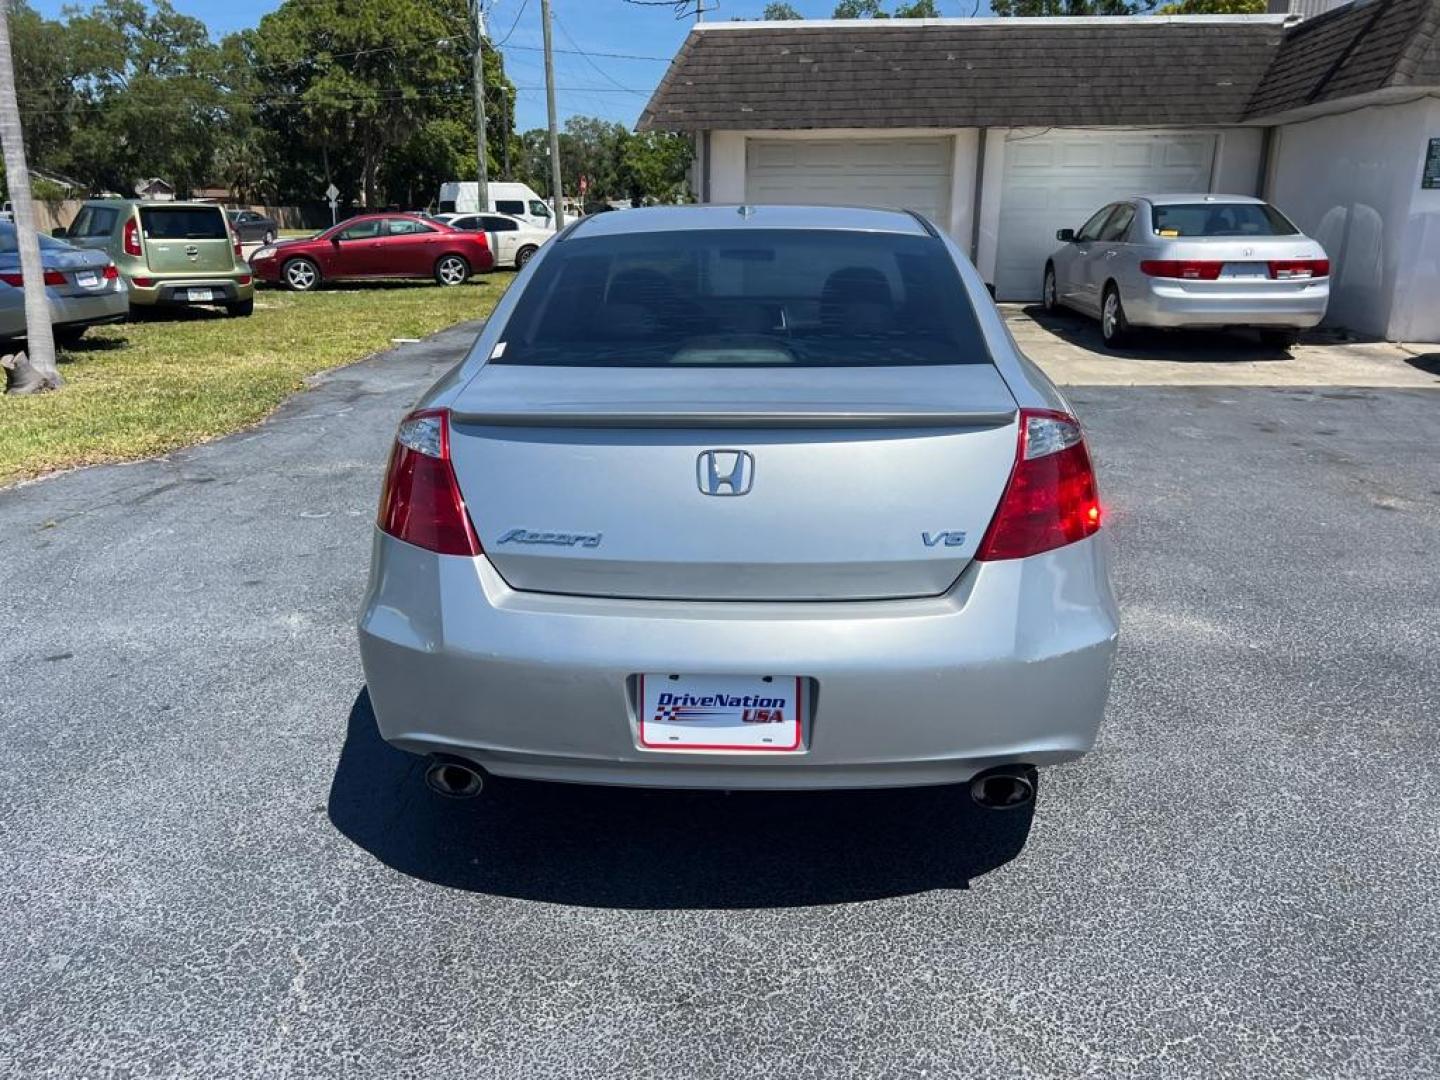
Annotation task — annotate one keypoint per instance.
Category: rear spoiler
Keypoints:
(719, 415)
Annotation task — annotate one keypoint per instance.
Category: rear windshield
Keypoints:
(183, 223)
(1220, 219)
(9, 245)
(727, 298)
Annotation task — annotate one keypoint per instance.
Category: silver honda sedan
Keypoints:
(1190, 261)
(756, 497)
(83, 287)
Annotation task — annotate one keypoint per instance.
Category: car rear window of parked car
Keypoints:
(1220, 219)
(183, 223)
(94, 221)
(10, 246)
(726, 298)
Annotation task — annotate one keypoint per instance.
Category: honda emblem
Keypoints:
(725, 472)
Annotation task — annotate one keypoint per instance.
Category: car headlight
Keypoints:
(262, 253)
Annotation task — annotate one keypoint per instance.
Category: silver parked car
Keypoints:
(1190, 261)
(756, 497)
(83, 287)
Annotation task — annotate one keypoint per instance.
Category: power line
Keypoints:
(604, 74)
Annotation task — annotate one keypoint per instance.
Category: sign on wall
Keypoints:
(1431, 177)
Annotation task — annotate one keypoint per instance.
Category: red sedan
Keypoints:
(375, 246)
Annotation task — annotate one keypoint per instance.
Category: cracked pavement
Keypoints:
(211, 866)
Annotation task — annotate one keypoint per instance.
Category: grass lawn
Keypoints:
(143, 388)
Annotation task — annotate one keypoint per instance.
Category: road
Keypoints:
(210, 865)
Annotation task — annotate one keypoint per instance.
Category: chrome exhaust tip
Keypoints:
(454, 778)
(1007, 787)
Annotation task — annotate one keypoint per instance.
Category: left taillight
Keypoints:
(421, 503)
(1051, 499)
(110, 273)
(52, 277)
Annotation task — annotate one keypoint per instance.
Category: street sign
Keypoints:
(332, 196)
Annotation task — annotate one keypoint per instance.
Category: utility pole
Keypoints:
(556, 192)
(482, 165)
(505, 107)
(40, 373)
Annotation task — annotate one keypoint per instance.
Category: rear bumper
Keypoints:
(174, 292)
(1011, 665)
(1174, 305)
(102, 307)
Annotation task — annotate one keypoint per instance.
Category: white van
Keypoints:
(516, 200)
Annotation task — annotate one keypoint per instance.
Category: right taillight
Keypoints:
(421, 503)
(1051, 499)
(131, 242)
(1299, 269)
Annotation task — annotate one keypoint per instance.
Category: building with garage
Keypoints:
(1004, 130)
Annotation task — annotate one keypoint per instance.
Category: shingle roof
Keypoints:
(1355, 49)
(965, 74)
(1039, 72)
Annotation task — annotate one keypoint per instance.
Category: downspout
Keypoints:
(1262, 173)
(705, 166)
(979, 191)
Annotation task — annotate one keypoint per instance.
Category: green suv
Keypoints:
(171, 254)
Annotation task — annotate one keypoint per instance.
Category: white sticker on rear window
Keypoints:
(498, 351)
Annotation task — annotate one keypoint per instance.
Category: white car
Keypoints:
(513, 241)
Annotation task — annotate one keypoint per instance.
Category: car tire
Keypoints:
(69, 335)
(523, 256)
(300, 275)
(240, 309)
(451, 270)
(1279, 339)
(269, 237)
(1049, 294)
(1114, 327)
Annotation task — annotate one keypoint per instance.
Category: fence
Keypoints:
(51, 214)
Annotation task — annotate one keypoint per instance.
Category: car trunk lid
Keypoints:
(186, 239)
(856, 483)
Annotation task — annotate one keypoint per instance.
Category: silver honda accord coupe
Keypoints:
(1190, 261)
(742, 497)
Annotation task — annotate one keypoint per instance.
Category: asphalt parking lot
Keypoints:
(211, 866)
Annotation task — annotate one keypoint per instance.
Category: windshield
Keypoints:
(729, 298)
(10, 246)
(1220, 219)
(183, 223)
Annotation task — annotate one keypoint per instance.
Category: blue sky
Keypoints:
(595, 84)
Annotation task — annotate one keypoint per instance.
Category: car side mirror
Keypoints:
(335, 240)
(1065, 236)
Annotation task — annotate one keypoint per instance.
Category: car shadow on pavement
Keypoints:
(644, 849)
(1175, 346)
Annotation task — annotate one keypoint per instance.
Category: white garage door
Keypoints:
(911, 174)
(1057, 180)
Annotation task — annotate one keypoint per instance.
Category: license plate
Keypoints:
(199, 295)
(739, 713)
(1244, 270)
(87, 278)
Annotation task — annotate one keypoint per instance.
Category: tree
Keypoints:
(1214, 7)
(919, 9)
(860, 9)
(656, 165)
(780, 13)
(1053, 8)
(42, 373)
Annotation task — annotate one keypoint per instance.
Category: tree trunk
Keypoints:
(41, 352)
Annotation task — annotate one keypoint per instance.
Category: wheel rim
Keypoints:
(1110, 319)
(1049, 288)
(452, 271)
(300, 275)
(523, 257)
